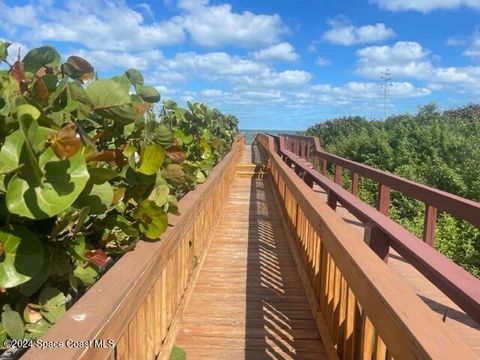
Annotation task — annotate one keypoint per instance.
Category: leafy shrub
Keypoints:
(437, 149)
(86, 169)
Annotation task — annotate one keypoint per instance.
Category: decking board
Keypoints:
(248, 301)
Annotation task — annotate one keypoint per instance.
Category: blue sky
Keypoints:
(283, 64)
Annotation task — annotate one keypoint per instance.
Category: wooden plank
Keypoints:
(249, 298)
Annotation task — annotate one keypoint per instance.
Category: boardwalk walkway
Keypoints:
(248, 301)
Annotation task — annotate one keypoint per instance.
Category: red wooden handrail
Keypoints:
(433, 199)
(459, 285)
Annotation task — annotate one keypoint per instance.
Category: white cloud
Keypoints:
(344, 34)
(282, 51)
(410, 60)
(322, 61)
(116, 26)
(108, 60)
(220, 66)
(214, 26)
(473, 49)
(403, 59)
(212, 93)
(425, 5)
(370, 90)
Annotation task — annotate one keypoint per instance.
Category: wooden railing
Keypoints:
(136, 304)
(309, 148)
(381, 233)
(363, 310)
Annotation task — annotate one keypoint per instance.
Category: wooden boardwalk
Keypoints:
(248, 301)
(454, 317)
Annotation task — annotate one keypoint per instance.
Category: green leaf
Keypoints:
(58, 262)
(85, 274)
(159, 195)
(35, 330)
(52, 302)
(64, 180)
(4, 50)
(3, 335)
(100, 175)
(169, 104)
(98, 197)
(31, 286)
(12, 322)
(152, 219)
(151, 159)
(177, 354)
(22, 258)
(39, 57)
(174, 174)
(163, 136)
(134, 76)
(148, 93)
(27, 117)
(104, 94)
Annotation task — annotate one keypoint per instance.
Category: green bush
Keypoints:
(86, 170)
(437, 149)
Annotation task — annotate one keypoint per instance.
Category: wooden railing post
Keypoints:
(332, 200)
(429, 224)
(383, 203)
(315, 162)
(377, 241)
(355, 183)
(338, 175)
(324, 167)
(307, 153)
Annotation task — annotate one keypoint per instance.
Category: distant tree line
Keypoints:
(439, 149)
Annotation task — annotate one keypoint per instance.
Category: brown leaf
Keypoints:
(16, 71)
(82, 67)
(109, 156)
(40, 91)
(96, 257)
(176, 154)
(118, 195)
(65, 142)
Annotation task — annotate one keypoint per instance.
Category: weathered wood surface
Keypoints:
(444, 308)
(248, 301)
(364, 309)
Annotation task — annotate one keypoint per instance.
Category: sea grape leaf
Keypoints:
(58, 262)
(12, 322)
(31, 286)
(169, 104)
(3, 335)
(151, 159)
(35, 330)
(64, 180)
(177, 354)
(96, 257)
(65, 142)
(174, 174)
(23, 255)
(98, 197)
(52, 302)
(78, 68)
(176, 154)
(152, 219)
(99, 175)
(159, 195)
(163, 136)
(27, 117)
(31, 315)
(85, 274)
(4, 50)
(148, 93)
(39, 57)
(134, 76)
(111, 100)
